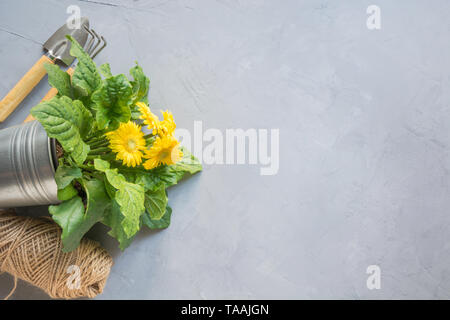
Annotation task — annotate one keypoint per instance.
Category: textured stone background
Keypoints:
(364, 153)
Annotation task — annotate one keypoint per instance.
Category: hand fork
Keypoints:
(92, 49)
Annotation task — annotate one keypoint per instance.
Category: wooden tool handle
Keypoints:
(50, 94)
(23, 88)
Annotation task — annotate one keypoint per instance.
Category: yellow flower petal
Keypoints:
(150, 119)
(165, 150)
(128, 142)
(168, 124)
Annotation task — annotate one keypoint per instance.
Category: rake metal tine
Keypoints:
(98, 42)
(91, 40)
(101, 48)
(90, 47)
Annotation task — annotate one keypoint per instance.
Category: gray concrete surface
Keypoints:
(364, 143)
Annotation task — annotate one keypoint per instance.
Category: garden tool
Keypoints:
(92, 48)
(57, 48)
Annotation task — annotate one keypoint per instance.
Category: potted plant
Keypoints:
(97, 153)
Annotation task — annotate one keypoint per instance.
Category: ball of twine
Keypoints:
(30, 249)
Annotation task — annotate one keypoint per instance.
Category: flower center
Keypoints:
(131, 144)
(165, 153)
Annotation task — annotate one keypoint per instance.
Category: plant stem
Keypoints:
(99, 150)
(96, 138)
(98, 144)
(85, 167)
(107, 156)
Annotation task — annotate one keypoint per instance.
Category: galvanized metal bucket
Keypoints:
(27, 166)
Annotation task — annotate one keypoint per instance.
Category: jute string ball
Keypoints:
(30, 249)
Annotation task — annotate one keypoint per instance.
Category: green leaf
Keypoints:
(101, 165)
(64, 175)
(174, 173)
(105, 69)
(59, 79)
(113, 101)
(140, 84)
(170, 175)
(86, 77)
(72, 218)
(69, 215)
(97, 199)
(115, 178)
(135, 113)
(110, 190)
(156, 202)
(153, 178)
(188, 164)
(112, 175)
(64, 119)
(113, 219)
(162, 223)
(129, 196)
(67, 193)
(84, 117)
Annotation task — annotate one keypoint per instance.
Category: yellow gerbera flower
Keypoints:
(168, 124)
(165, 150)
(150, 119)
(128, 142)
